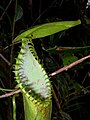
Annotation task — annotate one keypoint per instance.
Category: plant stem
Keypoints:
(65, 68)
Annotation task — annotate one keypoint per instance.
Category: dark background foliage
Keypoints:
(70, 94)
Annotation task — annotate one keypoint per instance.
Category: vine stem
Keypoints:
(65, 68)
(10, 93)
(11, 61)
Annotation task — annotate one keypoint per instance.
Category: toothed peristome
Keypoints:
(30, 75)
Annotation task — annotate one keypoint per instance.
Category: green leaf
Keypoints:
(67, 53)
(87, 21)
(46, 29)
(19, 13)
(68, 59)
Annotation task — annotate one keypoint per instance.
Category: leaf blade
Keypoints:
(46, 29)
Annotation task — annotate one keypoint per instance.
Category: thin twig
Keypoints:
(5, 59)
(65, 68)
(10, 94)
(5, 9)
(56, 99)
